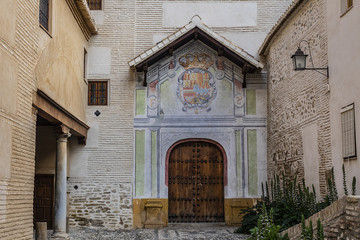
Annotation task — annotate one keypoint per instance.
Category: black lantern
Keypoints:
(299, 60)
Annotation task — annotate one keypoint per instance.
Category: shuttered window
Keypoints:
(44, 14)
(348, 132)
(95, 4)
(98, 92)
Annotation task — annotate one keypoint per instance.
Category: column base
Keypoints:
(59, 236)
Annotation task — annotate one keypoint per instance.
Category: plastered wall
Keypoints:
(344, 84)
(18, 48)
(60, 65)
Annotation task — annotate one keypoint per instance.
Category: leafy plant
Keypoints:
(306, 231)
(332, 192)
(289, 200)
(353, 189)
(344, 180)
(266, 229)
(319, 230)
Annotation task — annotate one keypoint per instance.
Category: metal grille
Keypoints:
(348, 131)
(44, 14)
(97, 93)
(95, 4)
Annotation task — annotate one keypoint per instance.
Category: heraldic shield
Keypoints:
(196, 85)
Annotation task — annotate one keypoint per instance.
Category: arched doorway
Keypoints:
(196, 181)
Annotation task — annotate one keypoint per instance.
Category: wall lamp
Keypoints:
(299, 61)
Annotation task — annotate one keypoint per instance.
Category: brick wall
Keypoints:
(16, 192)
(340, 220)
(298, 99)
(104, 194)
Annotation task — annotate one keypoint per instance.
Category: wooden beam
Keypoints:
(56, 114)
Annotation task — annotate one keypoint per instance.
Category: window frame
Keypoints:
(97, 98)
(85, 65)
(345, 6)
(344, 143)
(92, 3)
(48, 28)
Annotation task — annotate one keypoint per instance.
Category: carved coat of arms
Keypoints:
(196, 85)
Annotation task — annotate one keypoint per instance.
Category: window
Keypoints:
(98, 92)
(95, 4)
(348, 131)
(345, 6)
(44, 14)
(85, 64)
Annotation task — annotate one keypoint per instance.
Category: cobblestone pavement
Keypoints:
(172, 232)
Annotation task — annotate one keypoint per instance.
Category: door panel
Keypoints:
(196, 183)
(43, 199)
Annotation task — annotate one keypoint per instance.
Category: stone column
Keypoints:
(60, 183)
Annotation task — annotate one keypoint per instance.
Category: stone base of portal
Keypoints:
(153, 213)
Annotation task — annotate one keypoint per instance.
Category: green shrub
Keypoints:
(353, 189)
(344, 180)
(266, 229)
(289, 201)
(319, 230)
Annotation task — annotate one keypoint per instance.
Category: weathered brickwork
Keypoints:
(16, 192)
(298, 99)
(100, 204)
(340, 220)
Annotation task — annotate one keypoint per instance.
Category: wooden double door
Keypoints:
(196, 183)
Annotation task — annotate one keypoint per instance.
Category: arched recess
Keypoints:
(196, 178)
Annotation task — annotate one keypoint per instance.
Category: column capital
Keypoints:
(61, 128)
(62, 132)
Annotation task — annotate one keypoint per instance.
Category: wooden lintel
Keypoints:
(57, 115)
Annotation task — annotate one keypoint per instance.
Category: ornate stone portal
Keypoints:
(195, 94)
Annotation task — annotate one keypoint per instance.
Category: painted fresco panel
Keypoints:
(140, 102)
(252, 165)
(238, 162)
(153, 163)
(139, 162)
(251, 102)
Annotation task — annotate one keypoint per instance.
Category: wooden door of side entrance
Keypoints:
(196, 183)
(43, 199)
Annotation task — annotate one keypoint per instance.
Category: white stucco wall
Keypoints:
(344, 61)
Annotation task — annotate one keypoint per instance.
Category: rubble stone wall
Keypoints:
(340, 220)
